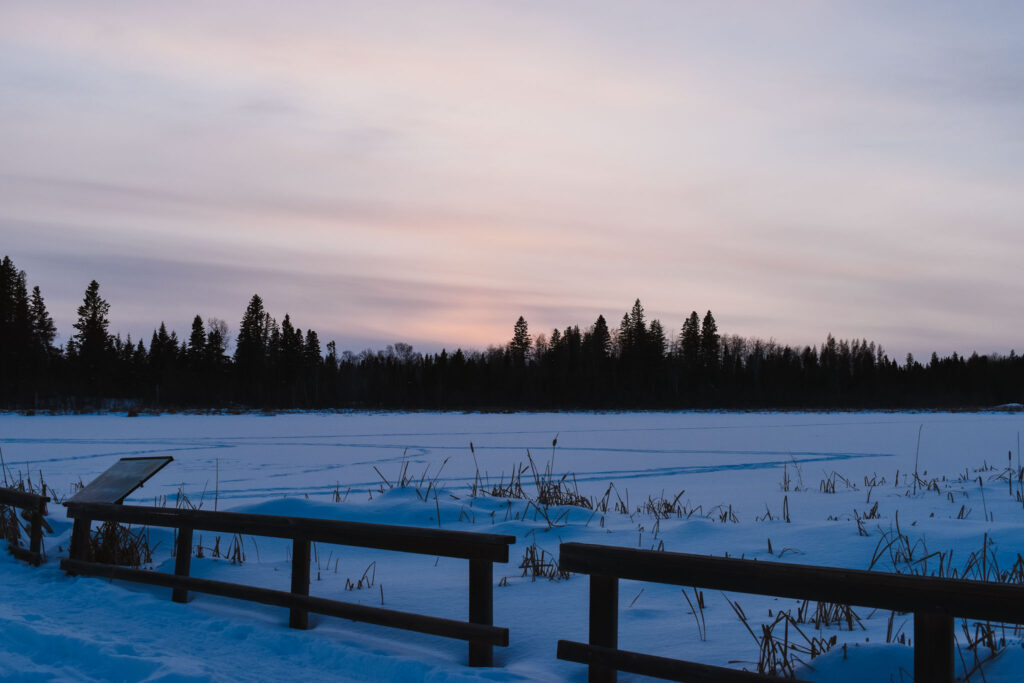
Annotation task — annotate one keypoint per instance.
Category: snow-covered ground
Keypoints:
(739, 474)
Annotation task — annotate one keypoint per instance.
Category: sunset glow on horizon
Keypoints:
(427, 172)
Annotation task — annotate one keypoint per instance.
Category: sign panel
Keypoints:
(123, 477)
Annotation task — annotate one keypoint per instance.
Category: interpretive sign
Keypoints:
(123, 477)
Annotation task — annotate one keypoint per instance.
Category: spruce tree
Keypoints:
(709, 341)
(519, 347)
(689, 342)
(15, 317)
(92, 340)
(251, 350)
(624, 338)
(215, 352)
(555, 342)
(311, 352)
(43, 329)
(197, 343)
(656, 341)
(92, 323)
(291, 344)
(16, 342)
(638, 325)
(599, 340)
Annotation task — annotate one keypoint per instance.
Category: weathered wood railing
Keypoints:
(482, 550)
(934, 602)
(34, 506)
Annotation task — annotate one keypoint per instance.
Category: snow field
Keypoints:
(737, 472)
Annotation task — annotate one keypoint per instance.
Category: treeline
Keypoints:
(639, 364)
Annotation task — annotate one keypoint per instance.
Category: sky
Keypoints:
(428, 172)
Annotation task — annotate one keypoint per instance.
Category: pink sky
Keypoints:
(427, 172)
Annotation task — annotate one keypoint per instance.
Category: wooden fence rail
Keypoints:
(34, 506)
(482, 550)
(934, 602)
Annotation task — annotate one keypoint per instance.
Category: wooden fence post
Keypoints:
(933, 647)
(299, 618)
(182, 561)
(80, 533)
(604, 623)
(481, 608)
(36, 531)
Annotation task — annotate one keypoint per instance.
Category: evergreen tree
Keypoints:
(709, 341)
(690, 342)
(197, 343)
(43, 329)
(163, 349)
(251, 350)
(571, 370)
(656, 342)
(140, 356)
(331, 360)
(599, 339)
(92, 324)
(291, 345)
(638, 325)
(92, 340)
(16, 339)
(215, 352)
(519, 347)
(15, 317)
(555, 342)
(624, 340)
(313, 355)
(633, 330)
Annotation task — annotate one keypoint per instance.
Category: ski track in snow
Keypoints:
(420, 453)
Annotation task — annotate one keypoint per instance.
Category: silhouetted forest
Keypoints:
(639, 364)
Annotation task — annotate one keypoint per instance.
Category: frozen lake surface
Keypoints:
(732, 475)
(261, 457)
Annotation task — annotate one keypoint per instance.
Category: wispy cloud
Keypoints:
(433, 171)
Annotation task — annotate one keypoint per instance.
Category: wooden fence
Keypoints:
(482, 550)
(34, 506)
(933, 601)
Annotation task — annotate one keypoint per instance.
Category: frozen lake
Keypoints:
(260, 457)
(734, 475)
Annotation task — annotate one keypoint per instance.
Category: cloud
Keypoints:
(438, 171)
